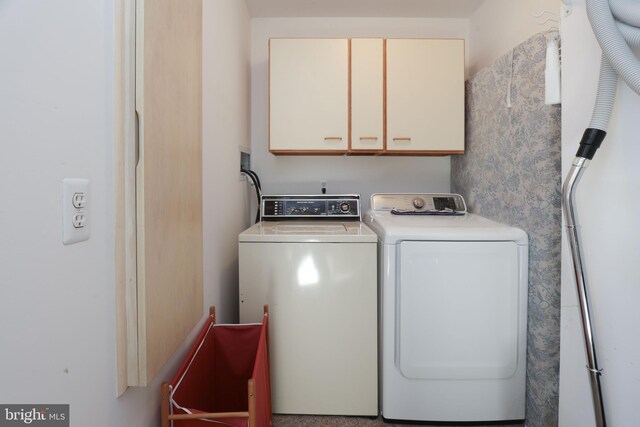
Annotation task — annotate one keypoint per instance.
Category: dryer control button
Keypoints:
(418, 203)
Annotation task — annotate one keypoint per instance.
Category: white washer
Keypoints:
(320, 280)
(453, 320)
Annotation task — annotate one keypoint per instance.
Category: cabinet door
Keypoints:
(367, 94)
(308, 95)
(163, 223)
(425, 96)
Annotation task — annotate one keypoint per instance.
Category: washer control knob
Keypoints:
(418, 203)
(345, 207)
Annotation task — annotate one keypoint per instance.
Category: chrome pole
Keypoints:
(568, 193)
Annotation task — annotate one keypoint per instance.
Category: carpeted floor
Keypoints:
(335, 421)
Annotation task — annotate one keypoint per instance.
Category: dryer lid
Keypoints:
(392, 229)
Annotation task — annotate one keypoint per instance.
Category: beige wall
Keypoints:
(225, 129)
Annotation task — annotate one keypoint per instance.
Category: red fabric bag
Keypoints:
(225, 378)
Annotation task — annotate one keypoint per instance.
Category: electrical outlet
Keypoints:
(75, 210)
(79, 220)
(79, 200)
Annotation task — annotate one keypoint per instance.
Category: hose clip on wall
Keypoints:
(616, 26)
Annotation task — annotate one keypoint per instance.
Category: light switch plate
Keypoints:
(75, 210)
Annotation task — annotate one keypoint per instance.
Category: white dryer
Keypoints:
(453, 316)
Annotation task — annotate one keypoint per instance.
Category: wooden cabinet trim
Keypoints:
(384, 95)
(429, 153)
(349, 124)
(310, 152)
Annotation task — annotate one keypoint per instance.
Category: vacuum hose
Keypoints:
(616, 25)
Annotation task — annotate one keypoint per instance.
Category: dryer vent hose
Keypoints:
(616, 25)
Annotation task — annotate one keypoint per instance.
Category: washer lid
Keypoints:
(308, 231)
(392, 229)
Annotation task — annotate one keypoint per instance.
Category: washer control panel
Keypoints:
(325, 206)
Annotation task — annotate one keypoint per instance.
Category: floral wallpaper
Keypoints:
(510, 172)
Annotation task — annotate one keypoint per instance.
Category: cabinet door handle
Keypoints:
(404, 138)
(333, 138)
(368, 138)
(137, 140)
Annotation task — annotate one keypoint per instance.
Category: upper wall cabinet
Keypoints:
(425, 96)
(366, 96)
(308, 96)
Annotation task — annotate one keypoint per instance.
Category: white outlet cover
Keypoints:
(74, 231)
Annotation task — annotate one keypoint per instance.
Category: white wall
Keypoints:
(343, 174)
(57, 303)
(226, 127)
(608, 214)
(499, 25)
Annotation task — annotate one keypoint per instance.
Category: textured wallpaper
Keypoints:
(510, 173)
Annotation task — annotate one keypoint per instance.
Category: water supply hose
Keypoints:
(256, 183)
(616, 25)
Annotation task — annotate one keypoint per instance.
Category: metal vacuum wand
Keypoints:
(573, 177)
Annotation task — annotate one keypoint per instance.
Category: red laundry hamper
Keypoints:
(224, 381)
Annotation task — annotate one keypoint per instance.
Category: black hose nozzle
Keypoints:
(591, 140)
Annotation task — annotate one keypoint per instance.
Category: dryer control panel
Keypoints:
(419, 204)
(325, 206)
